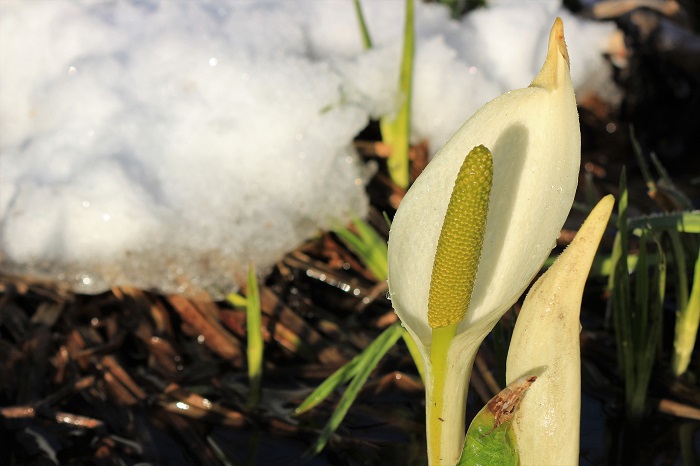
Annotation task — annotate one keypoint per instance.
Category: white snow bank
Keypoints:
(163, 144)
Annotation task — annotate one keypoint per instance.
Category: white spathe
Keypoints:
(534, 136)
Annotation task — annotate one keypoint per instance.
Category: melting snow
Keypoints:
(164, 144)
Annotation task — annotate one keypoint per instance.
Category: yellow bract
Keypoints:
(461, 240)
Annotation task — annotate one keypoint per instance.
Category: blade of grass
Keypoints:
(683, 222)
(681, 270)
(368, 245)
(341, 376)
(254, 336)
(649, 339)
(603, 265)
(236, 300)
(643, 166)
(364, 368)
(687, 322)
(619, 284)
(641, 302)
(610, 310)
(349, 370)
(366, 39)
(328, 386)
(371, 248)
(637, 314)
(396, 128)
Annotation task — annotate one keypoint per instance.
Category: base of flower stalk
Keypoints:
(446, 398)
(439, 348)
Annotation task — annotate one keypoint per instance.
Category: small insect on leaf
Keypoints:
(490, 439)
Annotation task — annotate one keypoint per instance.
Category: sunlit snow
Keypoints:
(165, 144)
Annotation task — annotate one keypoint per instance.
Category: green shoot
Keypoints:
(681, 276)
(236, 300)
(349, 371)
(368, 245)
(674, 225)
(396, 128)
(683, 222)
(255, 338)
(646, 173)
(338, 378)
(371, 249)
(636, 313)
(366, 40)
(687, 322)
(363, 365)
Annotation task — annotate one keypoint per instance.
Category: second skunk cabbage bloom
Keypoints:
(475, 228)
(546, 342)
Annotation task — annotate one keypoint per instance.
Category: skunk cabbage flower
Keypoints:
(546, 342)
(475, 228)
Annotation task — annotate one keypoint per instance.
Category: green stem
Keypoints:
(366, 40)
(687, 322)
(442, 339)
(447, 383)
(396, 129)
(255, 338)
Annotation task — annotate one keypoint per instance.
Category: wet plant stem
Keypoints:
(437, 418)
(446, 392)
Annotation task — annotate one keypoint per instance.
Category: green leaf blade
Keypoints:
(255, 343)
(367, 363)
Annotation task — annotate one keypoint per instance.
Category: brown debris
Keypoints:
(204, 322)
(503, 405)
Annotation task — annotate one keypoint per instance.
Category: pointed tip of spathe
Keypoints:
(602, 210)
(556, 39)
(550, 75)
(607, 202)
(594, 225)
